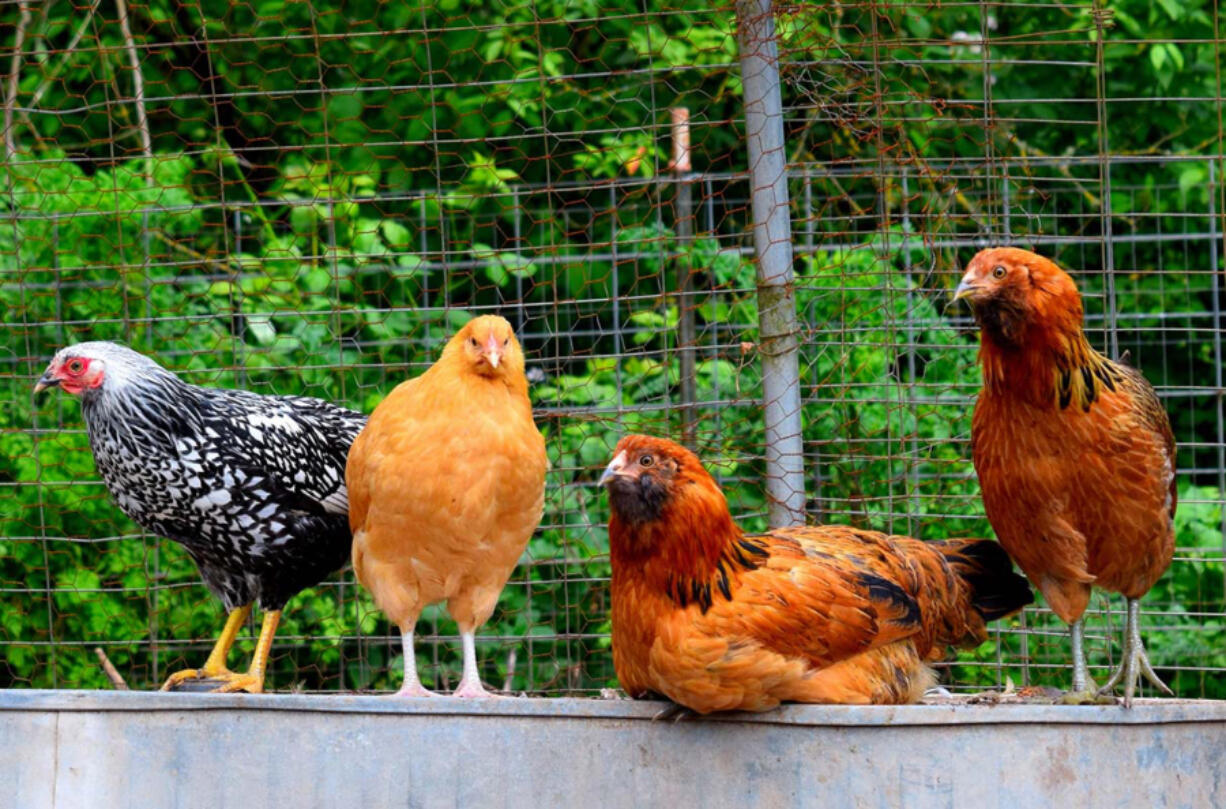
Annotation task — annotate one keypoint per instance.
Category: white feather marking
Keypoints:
(337, 502)
(218, 497)
(279, 421)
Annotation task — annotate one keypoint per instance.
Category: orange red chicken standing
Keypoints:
(1074, 452)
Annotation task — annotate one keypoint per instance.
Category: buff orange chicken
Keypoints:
(716, 619)
(1074, 452)
(446, 485)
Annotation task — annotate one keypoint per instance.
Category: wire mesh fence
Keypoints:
(289, 197)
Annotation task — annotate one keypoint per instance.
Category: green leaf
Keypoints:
(396, 234)
(345, 107)
(303, 219)
(1192, 175)
(261, 329)
(1173, 8)
(316, 280)
(410, 263)
(1176, 55)
(1157, 56)
(456, 318)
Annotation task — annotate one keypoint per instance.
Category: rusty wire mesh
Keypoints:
(295, 198)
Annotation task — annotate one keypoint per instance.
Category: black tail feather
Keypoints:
(996, 591)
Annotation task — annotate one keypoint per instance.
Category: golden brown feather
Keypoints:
(446, 486)
(1074, 452)
(717, 620)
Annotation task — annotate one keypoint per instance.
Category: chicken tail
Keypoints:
(987, 571)
(983, 587)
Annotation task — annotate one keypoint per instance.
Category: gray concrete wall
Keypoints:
(73, 750)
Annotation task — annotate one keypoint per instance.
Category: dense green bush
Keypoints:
(320, 214)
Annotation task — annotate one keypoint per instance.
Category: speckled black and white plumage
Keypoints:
(252, 486)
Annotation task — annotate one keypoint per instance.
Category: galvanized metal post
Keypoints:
(772, 232)
(1215, 296)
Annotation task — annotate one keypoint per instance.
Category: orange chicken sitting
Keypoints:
(719, 620)
(446, 485)
(1074, 453)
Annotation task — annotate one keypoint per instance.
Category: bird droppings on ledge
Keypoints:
(1028, 695)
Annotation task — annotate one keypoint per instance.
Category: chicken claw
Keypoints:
(1135, 663)
(674, 713)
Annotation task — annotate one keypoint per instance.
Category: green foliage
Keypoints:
(1191, 597)
(323, 212)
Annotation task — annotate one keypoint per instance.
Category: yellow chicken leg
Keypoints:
(215, 666)
(253, 681)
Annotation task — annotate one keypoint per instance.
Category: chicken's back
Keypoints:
(822, 614)
(446, 487)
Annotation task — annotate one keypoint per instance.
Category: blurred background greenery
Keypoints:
(295, 198)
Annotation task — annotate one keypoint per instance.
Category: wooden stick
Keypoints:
(10, 89)
(55, 71)
(138, 91)
(109, 669)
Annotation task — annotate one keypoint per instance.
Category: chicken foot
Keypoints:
(1136, 662)
(470, 686)
(215, 669)
(215, 666)
(1084, 691)
(411, 687)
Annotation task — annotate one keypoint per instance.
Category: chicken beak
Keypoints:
(966, 289)
(493, 351)
(614, 469)
(45, 381)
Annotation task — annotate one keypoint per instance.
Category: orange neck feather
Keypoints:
(693, 553)
(1043, 365)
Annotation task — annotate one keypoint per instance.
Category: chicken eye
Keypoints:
(506, 342)
(999, 272)
(646, 460)
(473, 342)
(76, 367)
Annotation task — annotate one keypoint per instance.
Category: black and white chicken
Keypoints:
(252, 486)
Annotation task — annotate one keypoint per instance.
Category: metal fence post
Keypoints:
(1219, 390)
(772, 232)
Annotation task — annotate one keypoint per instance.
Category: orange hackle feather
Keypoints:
(716, 619)
(1074, 452)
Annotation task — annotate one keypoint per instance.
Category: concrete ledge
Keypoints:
(75, 749)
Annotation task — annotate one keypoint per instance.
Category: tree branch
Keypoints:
(10, 90)
(54, 73)
(138, 91)
(108, 668)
